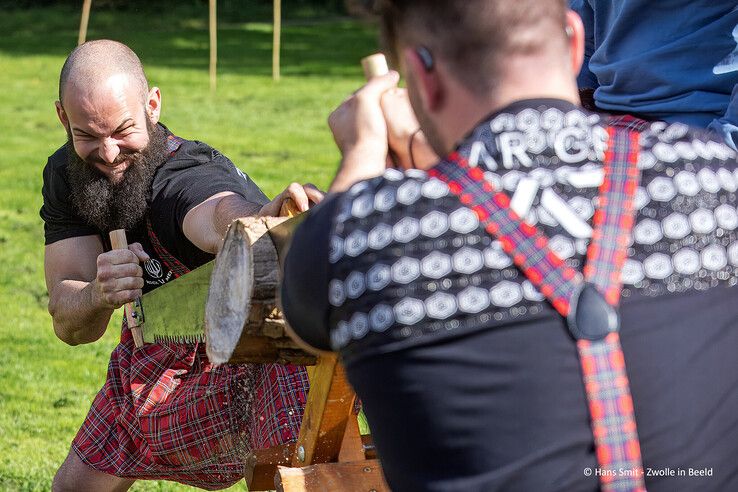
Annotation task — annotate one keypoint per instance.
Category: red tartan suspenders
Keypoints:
(588, 303)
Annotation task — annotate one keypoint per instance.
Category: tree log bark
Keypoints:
(242, 321)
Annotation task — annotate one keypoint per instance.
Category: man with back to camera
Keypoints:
(164, 411)
(469, 378)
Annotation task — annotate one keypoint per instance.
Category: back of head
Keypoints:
(475, 37)
(93, 62)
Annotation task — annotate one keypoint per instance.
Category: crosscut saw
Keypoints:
(175, 312)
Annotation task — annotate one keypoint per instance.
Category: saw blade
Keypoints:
(175, 312)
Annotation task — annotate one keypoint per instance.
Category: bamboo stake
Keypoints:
(277, 40)
(84, 21)
(213, 44)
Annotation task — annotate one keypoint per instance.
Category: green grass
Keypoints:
(276, 132)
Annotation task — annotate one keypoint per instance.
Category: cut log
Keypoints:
(242, 321)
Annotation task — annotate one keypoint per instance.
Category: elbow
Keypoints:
(62, 329)
(62, 333)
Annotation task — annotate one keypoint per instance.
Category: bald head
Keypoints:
(93, 63)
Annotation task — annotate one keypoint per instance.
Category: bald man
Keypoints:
(164, 412)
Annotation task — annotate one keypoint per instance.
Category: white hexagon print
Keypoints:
(409, 311)
(506, 294)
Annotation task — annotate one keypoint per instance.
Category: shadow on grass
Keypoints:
(180, 40)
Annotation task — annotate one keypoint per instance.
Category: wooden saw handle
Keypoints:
(374, 65)
(118, 241)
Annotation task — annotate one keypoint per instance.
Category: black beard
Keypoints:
(122, 205)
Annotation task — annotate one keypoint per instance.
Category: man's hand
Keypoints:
(407, 142)
(302, 195)
(119, 277)
(360, 132)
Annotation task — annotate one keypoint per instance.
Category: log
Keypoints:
(242, 321)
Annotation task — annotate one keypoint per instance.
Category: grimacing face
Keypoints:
(107, 123)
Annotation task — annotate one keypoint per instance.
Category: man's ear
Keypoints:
(426, 77)
(153, 105)
(575, 35)
(63, 118)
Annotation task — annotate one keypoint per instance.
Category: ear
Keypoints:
(63, 118)
(575, 34)
(427, 81)
(153, 105)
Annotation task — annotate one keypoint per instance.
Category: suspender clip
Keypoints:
(590, 316)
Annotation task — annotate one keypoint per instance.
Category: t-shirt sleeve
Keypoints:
(306, 272)
(207, 172)
(60, 220)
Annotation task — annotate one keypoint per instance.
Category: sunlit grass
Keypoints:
(276, 132)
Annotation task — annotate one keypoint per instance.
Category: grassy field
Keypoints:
(274, 131)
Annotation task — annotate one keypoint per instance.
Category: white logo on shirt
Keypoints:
(153, 268)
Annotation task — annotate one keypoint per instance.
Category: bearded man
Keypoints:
(164, 411)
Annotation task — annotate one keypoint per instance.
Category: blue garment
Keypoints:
(674, 60)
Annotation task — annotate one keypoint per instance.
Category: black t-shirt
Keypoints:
(192, 174)
(469, 379)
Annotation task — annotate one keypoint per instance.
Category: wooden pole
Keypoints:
(213, 44)
(84, 21)
(277, 39)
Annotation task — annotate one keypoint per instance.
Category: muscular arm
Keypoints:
(85, 286)
(206, 224)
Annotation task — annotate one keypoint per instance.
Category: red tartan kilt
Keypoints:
(165, 413)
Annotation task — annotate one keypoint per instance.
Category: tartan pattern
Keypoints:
(603, 364)
(524, 243)
(173, 144)
(611, 411)
(166, 413)
(614, 216)
(602, 361)
(174, 265)
(627, 122)
(277, 418)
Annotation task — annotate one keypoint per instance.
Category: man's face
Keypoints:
(114, 149)
(107, 124)
(119, 204)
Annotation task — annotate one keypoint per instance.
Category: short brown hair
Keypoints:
(474, 37)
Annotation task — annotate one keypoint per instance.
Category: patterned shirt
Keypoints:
(455, 353)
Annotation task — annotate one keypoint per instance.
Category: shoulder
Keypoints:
(192, 153)
(672, 142)
(388, 199)
(56, 164)
(197, 170)
(55, 181)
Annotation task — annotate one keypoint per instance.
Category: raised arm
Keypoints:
(86, 284)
